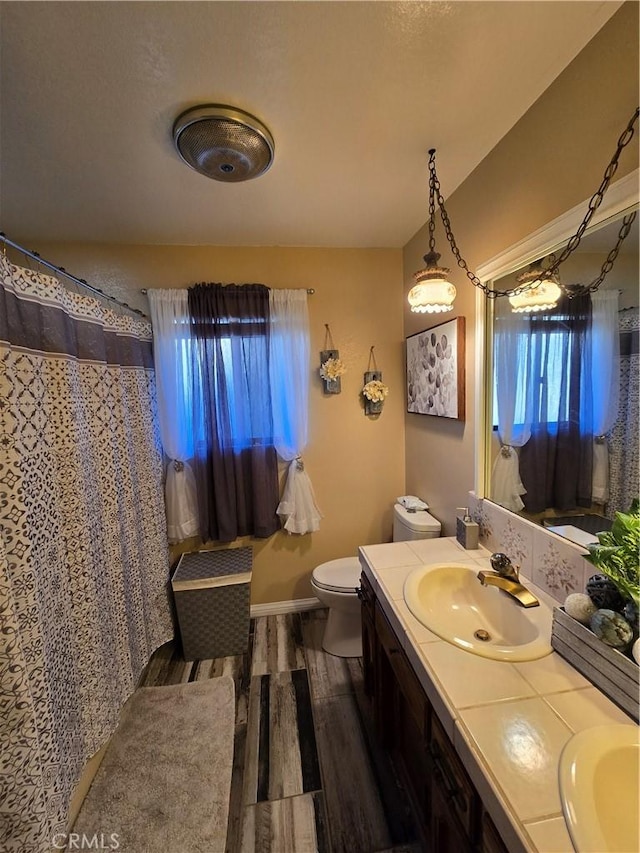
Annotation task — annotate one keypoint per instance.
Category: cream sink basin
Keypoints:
(449, 600)
(598, 776)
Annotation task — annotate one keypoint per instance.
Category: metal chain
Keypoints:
(432, 207)
(596, 199)
(434, 186)
(572, 245)
(613, 254)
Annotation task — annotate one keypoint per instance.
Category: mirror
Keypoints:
(561, 438)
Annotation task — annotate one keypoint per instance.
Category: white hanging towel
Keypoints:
(298, 509)
(506, 485)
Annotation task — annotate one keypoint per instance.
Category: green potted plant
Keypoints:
(617, 553)
(597, 632)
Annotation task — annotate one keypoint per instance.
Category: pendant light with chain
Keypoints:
(540, 287)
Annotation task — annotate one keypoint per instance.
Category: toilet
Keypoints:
(337, 582)
(408, 526)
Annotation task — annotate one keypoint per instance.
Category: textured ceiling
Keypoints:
(354, 93)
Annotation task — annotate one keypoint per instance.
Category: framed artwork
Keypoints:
(435, 371)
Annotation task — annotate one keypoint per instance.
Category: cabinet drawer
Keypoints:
(386, 635)
(491, 841)
(366, 595)
(408, 683)
(447, 836)
(450, 775)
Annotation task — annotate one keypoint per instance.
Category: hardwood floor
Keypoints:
(307, 775)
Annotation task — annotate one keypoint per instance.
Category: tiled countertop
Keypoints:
(508, 721)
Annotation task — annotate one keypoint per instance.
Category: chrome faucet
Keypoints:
(506, 577)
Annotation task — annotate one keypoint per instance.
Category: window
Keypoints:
(552, 362)
(232, 376)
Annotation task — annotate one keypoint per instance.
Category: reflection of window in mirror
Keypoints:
(565, 407)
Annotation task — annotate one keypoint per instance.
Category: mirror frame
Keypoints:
(620, 196)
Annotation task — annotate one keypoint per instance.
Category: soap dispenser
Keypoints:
(467, 530)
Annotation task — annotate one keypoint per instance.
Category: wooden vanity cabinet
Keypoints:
(402, 715)
(446, 835)
(456, 804)
(491, 841)
(368, 603)
(445, 803)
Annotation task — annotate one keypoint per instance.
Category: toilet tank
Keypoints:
(413, 525)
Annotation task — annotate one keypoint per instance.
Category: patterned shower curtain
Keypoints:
(624, 464)
(84, 597)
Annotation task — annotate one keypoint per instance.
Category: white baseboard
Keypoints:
(275, 608)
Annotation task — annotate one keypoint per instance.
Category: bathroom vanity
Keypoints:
(449, 811)
(476, 741)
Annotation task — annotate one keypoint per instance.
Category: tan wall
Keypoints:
(584, 267)
(356, 463)
(551, 160)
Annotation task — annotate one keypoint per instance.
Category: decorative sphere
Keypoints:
(604, 593)
(580, 607)
(635, 651)
(611, 628)
(630, 613)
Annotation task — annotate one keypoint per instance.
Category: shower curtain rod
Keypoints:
(62, 270)
(310, 290)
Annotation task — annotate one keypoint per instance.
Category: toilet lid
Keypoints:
(341, 575)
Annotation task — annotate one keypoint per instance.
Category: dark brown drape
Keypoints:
(556, 462)
(235, 463)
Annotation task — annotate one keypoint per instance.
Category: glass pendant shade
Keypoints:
(432, 293)
(542, 295)
(432, 297)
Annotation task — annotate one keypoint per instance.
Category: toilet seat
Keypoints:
(342, 575)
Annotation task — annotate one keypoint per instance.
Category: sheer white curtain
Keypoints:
(514, 404)
(172, 357)
(289, 369)
(605, 382)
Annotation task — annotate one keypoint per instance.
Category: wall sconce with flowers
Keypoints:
(331, 367)
(374, 390)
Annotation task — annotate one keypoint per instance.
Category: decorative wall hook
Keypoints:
(331, 368)
(374, 390)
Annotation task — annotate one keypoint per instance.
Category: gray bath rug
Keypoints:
(164, 782)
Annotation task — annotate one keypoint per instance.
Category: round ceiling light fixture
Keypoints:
(223, 143)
